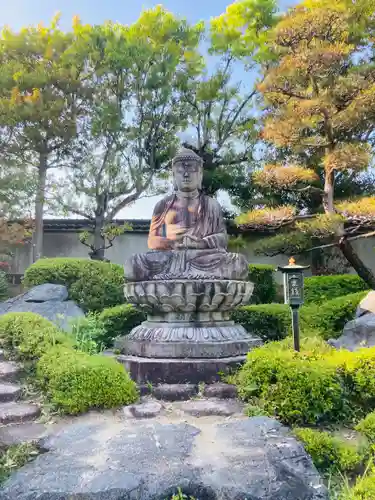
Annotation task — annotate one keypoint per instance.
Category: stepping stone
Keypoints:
(9, 371)
(17, 412)
(146, 410)
(209, 407)
(220, 390)
(27, 432)
(9, 392)
(174, 392)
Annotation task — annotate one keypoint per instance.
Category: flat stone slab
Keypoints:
(209, 407)
(220, 390)
(9, 371)
(27, 432)
(17, 412)
(253, 458)
(174, 392)
(9, 392)
(147, 409)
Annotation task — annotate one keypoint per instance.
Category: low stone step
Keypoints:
(17, 412)
(9, 392)
(9, 371)
(27, 432)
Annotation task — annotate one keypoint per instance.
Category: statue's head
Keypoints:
(187, 169)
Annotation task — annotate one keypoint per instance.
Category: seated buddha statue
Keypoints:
(187, 238)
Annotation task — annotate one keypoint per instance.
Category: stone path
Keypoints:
(15, 414)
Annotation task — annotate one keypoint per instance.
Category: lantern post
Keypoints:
(293, 276)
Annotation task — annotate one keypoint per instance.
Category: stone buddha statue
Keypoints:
(187, 238)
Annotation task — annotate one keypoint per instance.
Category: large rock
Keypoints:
(48, 300)
(252, 458)
(358, 333)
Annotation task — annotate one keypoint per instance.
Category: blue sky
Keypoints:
(18, 13)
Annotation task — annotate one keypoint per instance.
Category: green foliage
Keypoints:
(267, 321)
(330, 454)
(75, 381)
(262, 275)
(364, 488)
(329, 318)
(367, 427)
(319, 289)
(4, 286)
(299, 388)
(119, 320)
(92, 284)
(289, 243)
(14, 457)
(87, 333)
(27, 335)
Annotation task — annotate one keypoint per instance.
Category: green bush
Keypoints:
(76, 381)
(299, 388)
(94, 285)
(4, 286)
(87, 333)
(367, 427)
(364, 488)
(330, 317)
(262, 275)
(27, 335)
(267, 321)
(319, 289)
(329, 454)
(119, 320)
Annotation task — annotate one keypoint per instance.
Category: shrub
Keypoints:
(319, 289)
(364, 488)
(76, 381)
(119, 320)
(267, 321)
(367, 427)
(329, 454)
(14, 457)
(4, 286)
(87, 333)
(299, 388)
(94, 285)
(262, 275)
(331, 317)
(28, 335)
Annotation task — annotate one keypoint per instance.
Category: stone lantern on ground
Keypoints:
(188, 284)
(293, 293)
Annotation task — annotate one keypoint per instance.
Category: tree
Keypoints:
(222, 117)
(41, 100)
(138, 73)
(319, 96)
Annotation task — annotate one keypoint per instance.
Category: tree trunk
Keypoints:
(98, 247)
(39, 208)
(357, 264)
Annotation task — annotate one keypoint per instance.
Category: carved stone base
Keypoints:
(187, 340)
(178, 371)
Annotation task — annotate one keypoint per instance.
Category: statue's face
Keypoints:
(187, 175)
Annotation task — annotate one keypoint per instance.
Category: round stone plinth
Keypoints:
(178, 371)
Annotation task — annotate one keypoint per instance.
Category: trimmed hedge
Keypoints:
(330, 454)
(94, 285)
(119, 320)
(76, 381)
(319, 289)
(27, 336)
(297, 388)
(267, 321)
(317, 385)
(331, 317)
(265, 291)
